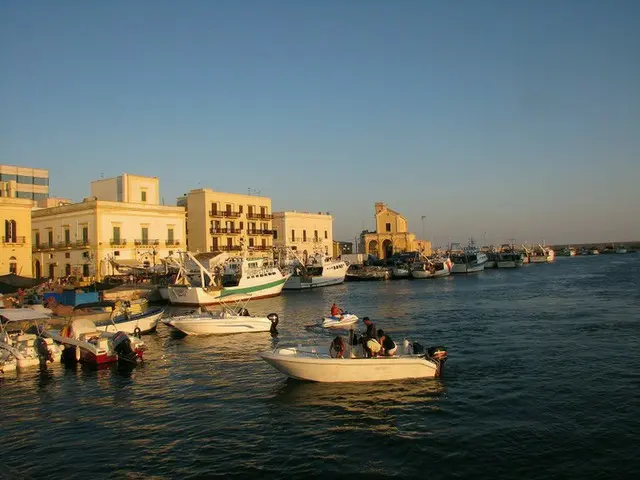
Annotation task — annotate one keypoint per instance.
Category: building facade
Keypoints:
(341, 248)
(24, 182)
(15, 249)
(306, 233)
(391, 236)
(224, 222)
(127, 188)
(97, 237)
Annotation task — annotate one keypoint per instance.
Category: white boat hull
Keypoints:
(145, 323)
(467, 268)
(301, 283)
(347, 320)
(24, 354)
(314, 364)
(208, 325)
(195, 296)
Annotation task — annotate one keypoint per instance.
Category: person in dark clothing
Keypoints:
(388, 345)
(371, 344)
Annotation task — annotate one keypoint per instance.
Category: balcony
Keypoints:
(224, 214)
(172, 243)
(226, 248)
(220, 231)
(261, 248)
(82, 243)
(146, 242)
(118, 242)
(260, 232)
(14, 240)
(64, 244)
(259, 216)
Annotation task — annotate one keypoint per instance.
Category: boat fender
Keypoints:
(273, 317)
(137, 332)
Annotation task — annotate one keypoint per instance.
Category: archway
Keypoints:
(38, 269)
(373, 248)
(387, 248)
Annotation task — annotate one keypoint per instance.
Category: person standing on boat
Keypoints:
(389, 347)
(336, 311)
(371, 344)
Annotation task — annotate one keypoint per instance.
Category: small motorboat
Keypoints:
(339, 321)
(123, 318)
(228, 320)
(19, 349)
(83, 342)
(319, 364)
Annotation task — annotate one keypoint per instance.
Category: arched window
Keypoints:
(13, 265)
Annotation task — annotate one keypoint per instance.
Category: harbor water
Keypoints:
(542, 382)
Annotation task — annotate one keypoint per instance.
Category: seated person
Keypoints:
(388, 345)
(337, 348)
(336, 311)
(373, 347)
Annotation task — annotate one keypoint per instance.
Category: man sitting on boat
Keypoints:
(336, 311)
(371, 344)
(389, 347)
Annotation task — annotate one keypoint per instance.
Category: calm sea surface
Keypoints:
(543, 381)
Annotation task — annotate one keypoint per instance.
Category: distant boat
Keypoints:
(621, 249)
(567, 252)
(542, 254)
(467, 260)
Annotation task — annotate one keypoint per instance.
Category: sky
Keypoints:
(495, 119)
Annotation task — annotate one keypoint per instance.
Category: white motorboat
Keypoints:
(233, 278)
(132, 324)
(318, 364)
(431, 268)
(228, 320)
(468, 259)
(19, 349)
(318, 271)
(82, 341)
(346, 320)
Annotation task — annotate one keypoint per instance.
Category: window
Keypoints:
(85, 234)
(240, 208)
(25, 179)
(241, 225)
(315, 235)
(293, 235)
(85, 270)
(251, 242)
(145, 235)
(67, 254)
(229, 242)
(264, 242)
(5, 177)
(304, 235)
(275, 234)
(143, 196)
(10, 231)
(170, 235)
(41, 181)
(326, 235)
(67, 269)
(52, 271)
(67, 236)
(263, 211)
(37, 239)
(388, 227)
(13, 265)
(228, 207)
(50, 239)
(116, 235)
(28, 195)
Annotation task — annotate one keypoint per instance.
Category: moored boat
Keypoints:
(431, 268)
(468, 259)
(367, 272)
(318, 271)
(541, 254)
(346, 320)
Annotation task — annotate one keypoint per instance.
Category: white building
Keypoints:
(306, 233)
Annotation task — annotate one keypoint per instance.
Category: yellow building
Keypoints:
(391, 236)
(223, 222)
(306, 233)
(24, 182)
(127, 188)
(95, 237)
(15, 249)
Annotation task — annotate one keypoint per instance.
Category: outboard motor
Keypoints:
(244, 312)
(273, 317)
(122, 346)
(44, 354)
(418, 349)
(439, 355)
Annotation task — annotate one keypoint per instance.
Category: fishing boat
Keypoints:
(318, 363)
(318, 271)
(431, 268)
(231, 319)
(567, 252)
(358, 273)
(541, 254)
(492, 256)
(468, 259)
(19, 349)
(226, 279)
(82, 341)
(509, 257)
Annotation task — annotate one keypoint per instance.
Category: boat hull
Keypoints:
(146, 323)
(302, 283)
(194, 296)
(322, 368)
(467, 268)
(347, 320)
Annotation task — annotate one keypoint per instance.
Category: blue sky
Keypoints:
(494, 119)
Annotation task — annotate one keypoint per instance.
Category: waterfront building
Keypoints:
(24, 182)
(15, 249)
(342, 248)
(391, 235)
(116, 228)
(224, 222)
(306, 233)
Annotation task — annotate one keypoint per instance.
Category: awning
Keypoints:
(127, 263)
(20, 314)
